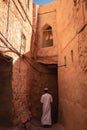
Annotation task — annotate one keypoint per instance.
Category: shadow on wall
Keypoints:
(85, 4)
(24, 85)
(5, 91)
(44, 77)
(21, 113)
(14, 91)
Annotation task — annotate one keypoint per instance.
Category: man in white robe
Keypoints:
(46, 100)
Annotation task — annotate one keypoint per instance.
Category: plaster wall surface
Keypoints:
(15, 20)
(71, 33)
(46, 17)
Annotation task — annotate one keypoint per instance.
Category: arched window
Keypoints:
(47, 36)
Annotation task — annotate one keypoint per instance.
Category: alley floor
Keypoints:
(34, 126)
(31, 127)
(54, 127)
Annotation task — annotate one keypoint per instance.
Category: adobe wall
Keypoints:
(46, 16)
(15, 19)
(72, 47)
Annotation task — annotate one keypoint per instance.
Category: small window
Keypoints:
(72, 55)
(75, 2)
(28, 4)
(23, 42)
(65, 60)
(47, 37)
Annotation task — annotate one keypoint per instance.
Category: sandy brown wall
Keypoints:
(15, 20)
(46, 17)
(71, 31)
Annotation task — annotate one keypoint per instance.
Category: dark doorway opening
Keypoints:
(45, 76)
(53, 89)
(5, 91)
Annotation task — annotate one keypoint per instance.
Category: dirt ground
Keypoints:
(54, 127)
(34, 125)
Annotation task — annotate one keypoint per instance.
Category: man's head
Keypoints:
(45, 90)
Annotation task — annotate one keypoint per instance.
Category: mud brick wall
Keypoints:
(71, 28)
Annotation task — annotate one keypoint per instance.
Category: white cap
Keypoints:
(45, 88)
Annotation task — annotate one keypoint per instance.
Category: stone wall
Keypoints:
(15, 39)
(72, 49)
